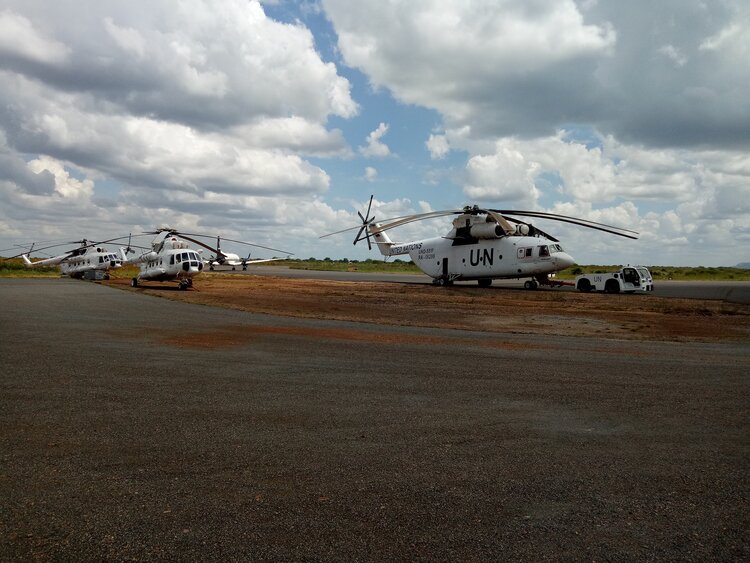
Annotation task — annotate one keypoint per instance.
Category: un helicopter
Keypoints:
(89, 259)
(171, 257)
(482, 245)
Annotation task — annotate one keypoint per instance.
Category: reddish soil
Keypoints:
(632, 317)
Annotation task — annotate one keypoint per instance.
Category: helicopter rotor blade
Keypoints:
(619, 231)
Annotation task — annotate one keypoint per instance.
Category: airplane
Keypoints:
(171, 257)
(85, 260)
(231, 259)
(482, 245)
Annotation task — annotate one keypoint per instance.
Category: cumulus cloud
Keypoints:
(375, 147)
(160, 100)
(371, 174)
(476, 62)
(20, 39)
(438, 146)
(509, 69)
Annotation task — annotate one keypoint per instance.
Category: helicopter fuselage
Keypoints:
(506, 257)
(79, 261)
(465, 258)
(88, 260)
(170, 260)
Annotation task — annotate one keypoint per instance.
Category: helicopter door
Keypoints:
(445, 268)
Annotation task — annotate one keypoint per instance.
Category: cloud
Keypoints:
(374, 147)
(507, 69)
(473, 62)
(189, 98)
(438, 146)
(113, 116)
(371, 174)
(20, 39)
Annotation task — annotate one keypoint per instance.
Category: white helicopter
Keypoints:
(231, 259)
(171, 258)
(88, 259)
(484, 244)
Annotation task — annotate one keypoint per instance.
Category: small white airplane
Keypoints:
(484, 244)
(171, 258)
(87, 258)
(221, 258)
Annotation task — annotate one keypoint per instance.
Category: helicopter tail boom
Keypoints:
(46, 262)
(385, 244)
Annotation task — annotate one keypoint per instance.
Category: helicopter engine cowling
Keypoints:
(486, 231)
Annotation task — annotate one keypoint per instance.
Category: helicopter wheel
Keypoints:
(134, 282)
(442, 282)
(183, 285)
(189, 282)
(530, 284)
(211, 267)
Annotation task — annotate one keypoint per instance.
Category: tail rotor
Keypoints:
(128, 249)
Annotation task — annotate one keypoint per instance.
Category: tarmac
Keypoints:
(136, 427)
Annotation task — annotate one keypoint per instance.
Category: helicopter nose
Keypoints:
(564, 260)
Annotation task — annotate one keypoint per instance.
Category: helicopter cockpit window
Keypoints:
(171, 259)
(543, 251)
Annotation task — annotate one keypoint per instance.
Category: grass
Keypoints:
(663, 273)
(392, 266)
(14, 268)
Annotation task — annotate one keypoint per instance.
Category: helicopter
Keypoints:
(231, 259)
(482, 245)
(89, 259)
(171, 257)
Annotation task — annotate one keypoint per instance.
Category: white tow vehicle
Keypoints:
(627, 280)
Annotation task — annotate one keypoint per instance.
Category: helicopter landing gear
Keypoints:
(184, 284)
(134, 282)
(484, 282)
(530, 284)
(442, 282)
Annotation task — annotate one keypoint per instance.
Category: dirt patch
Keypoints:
(501, 310)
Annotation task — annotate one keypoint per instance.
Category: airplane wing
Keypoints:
(259, 260)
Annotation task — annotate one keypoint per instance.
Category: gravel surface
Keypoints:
(142, 428)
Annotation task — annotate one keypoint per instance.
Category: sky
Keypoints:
(274, 122)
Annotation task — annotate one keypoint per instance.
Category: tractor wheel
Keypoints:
(584, 286)
(484, 282)
(612, 287)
